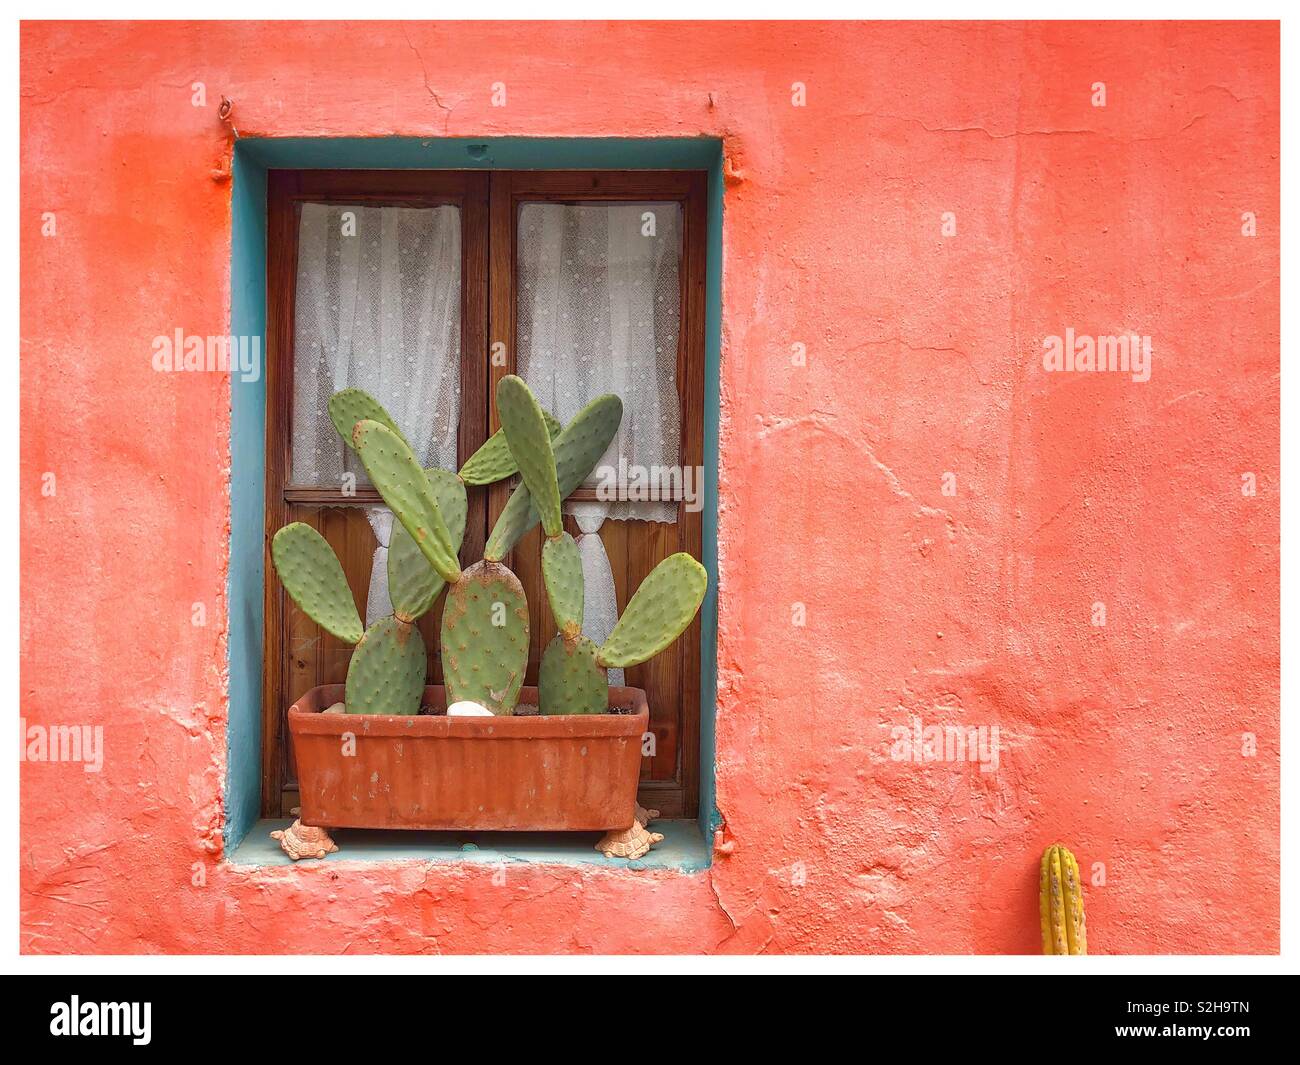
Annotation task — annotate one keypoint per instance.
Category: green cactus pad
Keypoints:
(413, 584)
(485, 637)
(570, 681)
(310, 572)
(493, 462)
(396, 474)
(577, 450)
(352, 405)
(530, 444)
(656, 615)
(386, 674)
(562, 572)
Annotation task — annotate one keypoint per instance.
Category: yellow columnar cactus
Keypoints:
(1060, 903)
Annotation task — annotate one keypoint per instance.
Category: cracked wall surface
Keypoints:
(972, 607)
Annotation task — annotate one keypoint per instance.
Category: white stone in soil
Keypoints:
(465, 708)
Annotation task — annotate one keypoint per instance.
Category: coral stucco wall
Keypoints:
(923, 359)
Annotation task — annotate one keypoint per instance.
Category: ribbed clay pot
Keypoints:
(565, 773)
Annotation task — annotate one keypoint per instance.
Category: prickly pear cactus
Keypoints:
(577, 450)
(562, 574)
(530, 444)
(1060, 903)
(573, 679)
(413, 584)
(485, 626)
(658, 613)
(569, 680)
(354, 405)
(485, 637)
(405, 488)
(310, 572)
(493, 461)
(386, 674)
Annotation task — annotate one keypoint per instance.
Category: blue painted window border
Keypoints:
(253, 157)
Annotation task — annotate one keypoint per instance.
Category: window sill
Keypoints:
(683, 848)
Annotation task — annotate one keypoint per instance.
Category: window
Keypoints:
(424, 288)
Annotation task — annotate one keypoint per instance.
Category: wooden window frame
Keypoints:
(489, 204)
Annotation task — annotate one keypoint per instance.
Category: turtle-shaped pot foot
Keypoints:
(304, 841)
(634, 842)
(646, 816)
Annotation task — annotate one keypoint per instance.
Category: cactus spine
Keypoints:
(1060, 903)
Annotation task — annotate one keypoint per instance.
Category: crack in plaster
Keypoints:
(446, 123)
(821, 422)
(1018, 133)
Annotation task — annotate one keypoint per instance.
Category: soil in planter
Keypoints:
(520, 710)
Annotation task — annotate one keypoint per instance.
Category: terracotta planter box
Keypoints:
(468, 773)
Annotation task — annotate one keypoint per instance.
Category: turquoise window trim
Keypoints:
(683, 849)
(253, 157)
(243, 793)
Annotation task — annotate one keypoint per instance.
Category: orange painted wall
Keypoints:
(923, 358)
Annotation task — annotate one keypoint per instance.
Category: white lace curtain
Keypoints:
(377, 307)
(598, 311)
